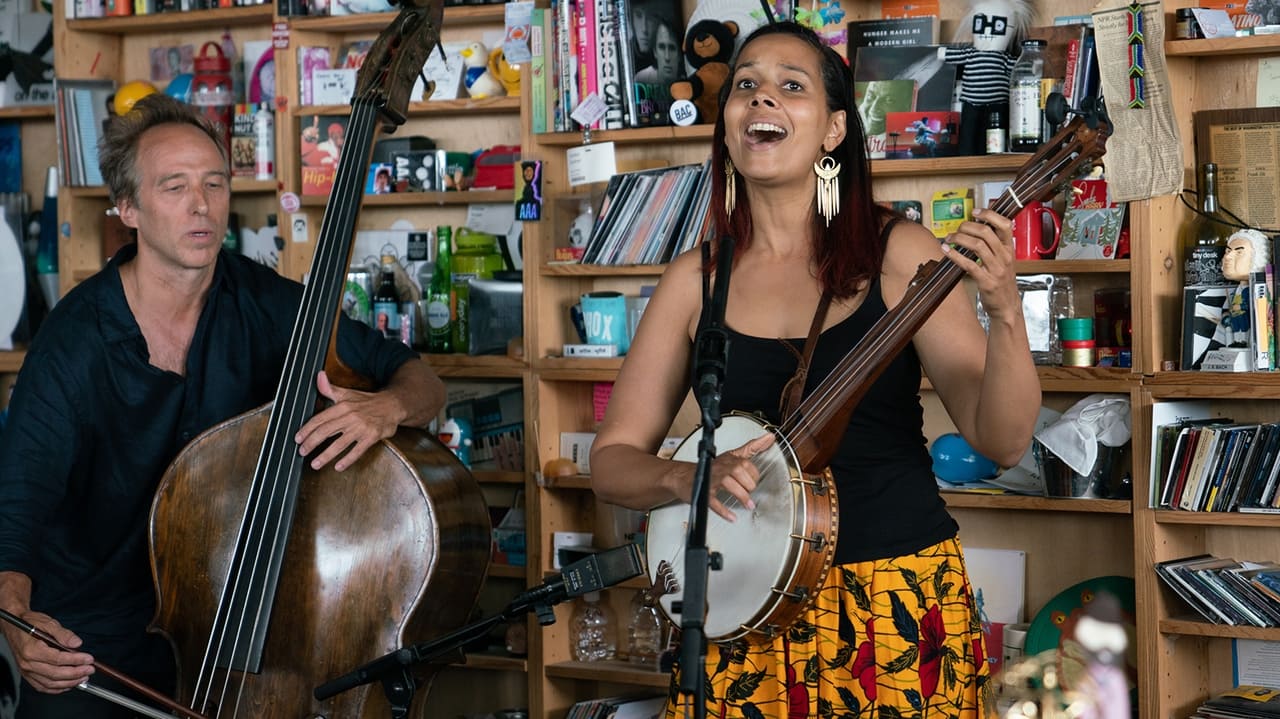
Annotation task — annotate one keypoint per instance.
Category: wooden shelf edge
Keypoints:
(1024, 502)
(507, 570)
(578, 369)
(976, 164)
(573, 481)
(463, 106)
(172, 21)
(498, 662)
(477, 366)
(498, 476)
(1250, 45)
(615, 672)
(1218, 519)
(29, 112)
(11, 360)
(402, 199)
(454, 15)
(1023, 267)
(1212, 385)
(574, 269)
(1190, 626)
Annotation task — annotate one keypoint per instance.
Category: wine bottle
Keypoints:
(1204, 237)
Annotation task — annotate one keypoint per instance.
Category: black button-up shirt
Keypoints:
(92, 427)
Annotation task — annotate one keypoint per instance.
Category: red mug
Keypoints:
(1030, 228)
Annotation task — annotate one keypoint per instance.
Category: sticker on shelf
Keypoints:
(591, 163)
(299, 223)
(280, 35)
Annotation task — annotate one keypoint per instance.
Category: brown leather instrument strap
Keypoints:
(793, 390)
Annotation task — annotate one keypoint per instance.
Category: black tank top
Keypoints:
(889, 500)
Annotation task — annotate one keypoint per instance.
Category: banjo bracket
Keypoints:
(817, 483)
(817, 542)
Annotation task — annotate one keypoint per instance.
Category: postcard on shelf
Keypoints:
(1091, 223)
(922, 134)
(333, 86)
(445, 71)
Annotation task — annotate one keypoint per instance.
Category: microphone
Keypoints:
(591, 574)
(712, 348)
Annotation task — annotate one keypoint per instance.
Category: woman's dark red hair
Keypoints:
(850, 250)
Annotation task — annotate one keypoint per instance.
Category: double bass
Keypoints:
(271, 576)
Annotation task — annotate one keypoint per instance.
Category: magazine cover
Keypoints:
(321, 137)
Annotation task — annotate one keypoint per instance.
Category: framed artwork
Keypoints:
(1244, 144)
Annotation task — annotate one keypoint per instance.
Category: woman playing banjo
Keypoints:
(894, 625)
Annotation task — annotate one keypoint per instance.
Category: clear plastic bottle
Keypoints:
(1024, 97)
(264, 143)
(644, 631)
(593, 630)
(1204, 237)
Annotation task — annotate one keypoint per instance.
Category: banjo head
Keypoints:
(759, 553)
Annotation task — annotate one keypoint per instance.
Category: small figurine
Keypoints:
(480, 83)
(1246, 253)
(991, 27)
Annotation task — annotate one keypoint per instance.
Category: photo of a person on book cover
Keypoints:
(654, 36)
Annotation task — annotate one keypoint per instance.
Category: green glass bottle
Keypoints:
(439, 297)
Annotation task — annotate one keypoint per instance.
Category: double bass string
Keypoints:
(294, 403)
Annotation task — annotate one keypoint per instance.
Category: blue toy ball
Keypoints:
(180, 87)
(956, 462)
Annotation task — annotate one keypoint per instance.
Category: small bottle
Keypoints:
(1204, 238)
(264, 143)
(386, 300)
(439, 296)
(996, 136)
(591, 631)
(1025, 103)
(644, 631)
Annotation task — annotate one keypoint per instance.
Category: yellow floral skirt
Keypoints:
(895, 637)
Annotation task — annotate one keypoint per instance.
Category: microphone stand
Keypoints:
(392, 669)
(711, 358)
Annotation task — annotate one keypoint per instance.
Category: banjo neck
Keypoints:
(814, 429)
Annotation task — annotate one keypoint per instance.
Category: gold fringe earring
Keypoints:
(828, 172)
(730, 188)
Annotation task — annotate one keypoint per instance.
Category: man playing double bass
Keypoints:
(171, 338)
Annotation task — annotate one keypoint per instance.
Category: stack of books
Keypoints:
(1246, 701)
(1225, 591)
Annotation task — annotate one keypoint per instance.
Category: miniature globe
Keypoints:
(956, 462)
(129, 93)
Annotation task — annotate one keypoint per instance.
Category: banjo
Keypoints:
(776, 557)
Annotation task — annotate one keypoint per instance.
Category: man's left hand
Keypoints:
(355, 422)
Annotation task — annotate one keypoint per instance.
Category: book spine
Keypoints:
(566, 63)
(1069, 79)
(537, 71)
(608, 69)
(585, 22)
(626, 63)
(1260, 314)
